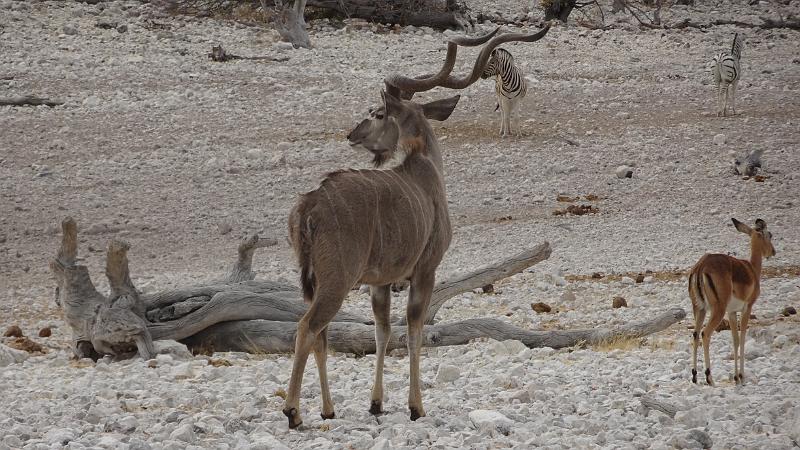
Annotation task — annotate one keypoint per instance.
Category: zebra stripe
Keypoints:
(727, 70)
(509, 79)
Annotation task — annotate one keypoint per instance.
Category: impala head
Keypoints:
(398, 124)
(759, 236)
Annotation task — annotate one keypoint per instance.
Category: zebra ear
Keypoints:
(440, 109)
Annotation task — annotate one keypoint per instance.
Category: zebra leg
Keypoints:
(720, 100)
(732, 90)
(505, 108)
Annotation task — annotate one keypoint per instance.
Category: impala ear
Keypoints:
(440, 109)
(760, 225)
(741, 227)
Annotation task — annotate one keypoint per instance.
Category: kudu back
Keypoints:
(379, 226)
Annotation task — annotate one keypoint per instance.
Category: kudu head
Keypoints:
(397, 124)
(401, 123)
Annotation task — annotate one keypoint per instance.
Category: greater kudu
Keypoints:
(379, 226)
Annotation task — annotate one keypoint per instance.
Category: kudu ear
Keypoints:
(391, 103)
(440, 109)
(741, 227)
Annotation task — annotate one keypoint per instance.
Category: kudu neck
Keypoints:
(428, 139)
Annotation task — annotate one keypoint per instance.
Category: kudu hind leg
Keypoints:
(324, 306)
(381, 299)
(321, 357)
(419, 298)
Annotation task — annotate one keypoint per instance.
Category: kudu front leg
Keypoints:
(381, 302)
(419, 298)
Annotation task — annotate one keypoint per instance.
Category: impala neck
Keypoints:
(756, 254)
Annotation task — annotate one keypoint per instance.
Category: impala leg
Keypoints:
(734, 323)
(713, 323)
(321, 357)
(742, 337)
(699, 317)
(324, 306)
(381, 302)
(418, 299)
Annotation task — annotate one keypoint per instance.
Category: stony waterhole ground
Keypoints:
(181, 157)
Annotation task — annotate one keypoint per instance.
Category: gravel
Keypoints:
(181, 156)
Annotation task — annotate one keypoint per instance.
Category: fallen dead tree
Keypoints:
(239, 313)
(29, 100)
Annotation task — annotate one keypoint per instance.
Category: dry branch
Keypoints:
(29, 100)
(261, 336)
(261, 316)
(490, 274)
(659, 405)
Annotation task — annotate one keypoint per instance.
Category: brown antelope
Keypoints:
(379, 226)
(720, 284)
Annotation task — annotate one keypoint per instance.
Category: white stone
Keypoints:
(624, 172)
(10, 356)
(184, 433)
(692, 418)
(447, 373)
(183, 371)
(491, 422)
(568, 296)
(719, 139)
(59, 436)
(174, 349)
(265, 441)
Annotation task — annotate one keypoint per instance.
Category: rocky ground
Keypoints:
(181, 156)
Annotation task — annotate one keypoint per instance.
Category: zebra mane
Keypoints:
(736, 46)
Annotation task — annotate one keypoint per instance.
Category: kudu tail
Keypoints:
(300, 235)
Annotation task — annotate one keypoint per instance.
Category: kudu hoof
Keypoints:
(327, 416)
(294, 417)
(376, 408)
(415, 414)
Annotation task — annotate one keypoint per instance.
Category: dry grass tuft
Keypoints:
(219, 362)
(26, 345)
(280, 393)
(618, 343)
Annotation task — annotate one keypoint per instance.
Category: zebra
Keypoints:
(510, 85)
(727, 71)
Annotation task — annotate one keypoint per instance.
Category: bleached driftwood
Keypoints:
(243, 314)
(261, 336)
(659, 405)
(29, 100)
